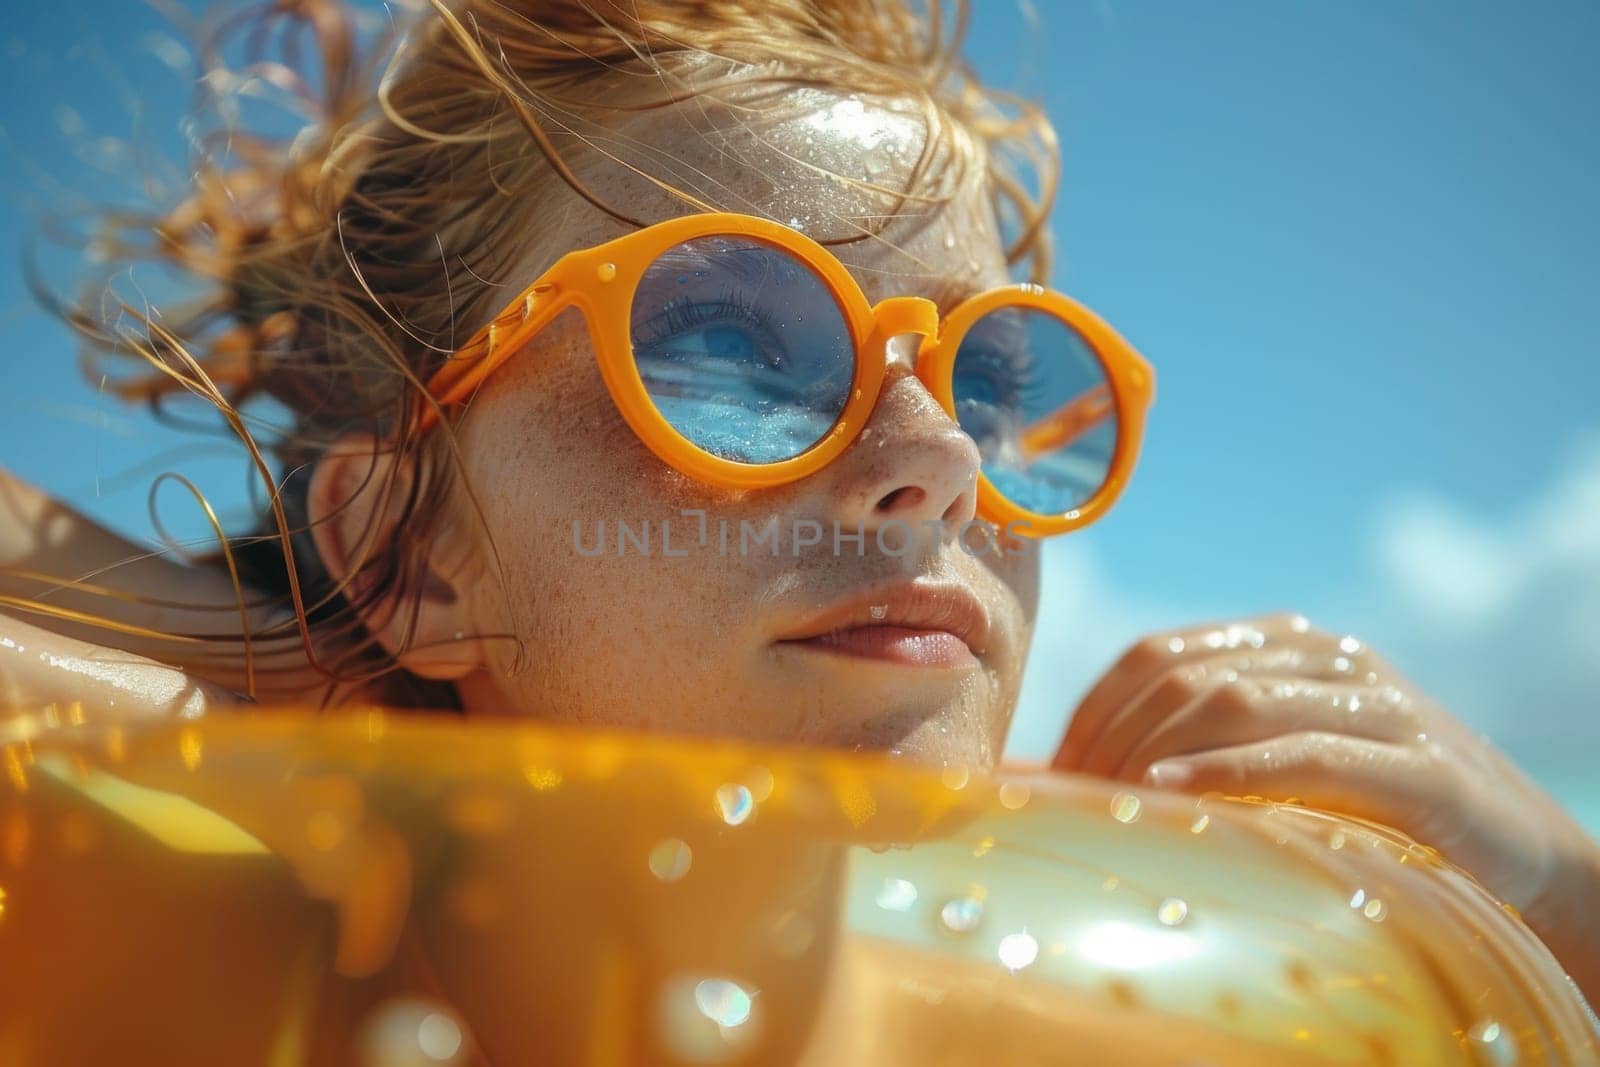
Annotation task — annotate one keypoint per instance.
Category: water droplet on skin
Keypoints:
(670, 859)
(1173, 911)
(1018, 950)
(897, 894)
(1175, 645)
(1349, 645)
(1125, 807)
(1341, 665)
(735, 803)
(961, 915)
(878, 611)
(1300, 624)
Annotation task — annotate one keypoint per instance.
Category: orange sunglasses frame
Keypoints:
(601, 281)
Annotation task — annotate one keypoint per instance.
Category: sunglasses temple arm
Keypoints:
(463, 373)
(1067, 423)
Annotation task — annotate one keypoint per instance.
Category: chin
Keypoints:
(939, 737)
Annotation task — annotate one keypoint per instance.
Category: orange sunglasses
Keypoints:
(738, 400)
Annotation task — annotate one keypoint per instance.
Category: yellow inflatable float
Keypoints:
(382, 890)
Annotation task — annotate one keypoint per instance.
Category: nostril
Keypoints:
(907, 496)
(958, 507)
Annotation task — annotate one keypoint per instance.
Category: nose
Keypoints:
(911, 464)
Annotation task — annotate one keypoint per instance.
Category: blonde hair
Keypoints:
(332, 269)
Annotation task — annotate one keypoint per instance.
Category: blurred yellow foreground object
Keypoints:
(381, 890)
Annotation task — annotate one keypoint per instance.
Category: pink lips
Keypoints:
(915, 624)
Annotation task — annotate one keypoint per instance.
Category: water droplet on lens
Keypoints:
(670, 859)
(1200, 824)
(707, 1020)
(1375, 910)
(955, 777)
(1173, 911)
(961, 915)
(897, 894)
(1014, 795)
(1125, 807)
(1018, 950)
(1496, 1046)
(412, 1032)
(723, 1002)
(735, 803)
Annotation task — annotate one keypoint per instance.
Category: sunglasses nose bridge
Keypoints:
(901, 315)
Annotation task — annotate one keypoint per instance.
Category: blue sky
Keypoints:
(1356, 240)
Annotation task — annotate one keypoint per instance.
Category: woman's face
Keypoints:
(918, 649)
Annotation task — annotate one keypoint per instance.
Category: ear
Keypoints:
(357, 506)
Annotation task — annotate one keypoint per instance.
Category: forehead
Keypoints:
(908, 212)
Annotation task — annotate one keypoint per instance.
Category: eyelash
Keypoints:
(685, 315)
(998, 366)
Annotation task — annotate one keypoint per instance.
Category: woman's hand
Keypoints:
(1275, 708)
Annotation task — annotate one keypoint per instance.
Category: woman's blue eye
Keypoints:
(722, 342)
(978, 388)
(996, 379)
(727, 330)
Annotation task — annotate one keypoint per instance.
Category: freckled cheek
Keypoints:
(1019, 575)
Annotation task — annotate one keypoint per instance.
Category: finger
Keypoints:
(1153, 656)
(1404, 787)
(1260, 708)
(1313, 656)
(1182, 685)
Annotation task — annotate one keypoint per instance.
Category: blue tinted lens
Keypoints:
(1035, 397)
(742, 348)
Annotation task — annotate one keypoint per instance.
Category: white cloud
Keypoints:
(1499, 615)
(1495, 615)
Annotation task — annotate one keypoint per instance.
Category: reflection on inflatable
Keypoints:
(383, 890)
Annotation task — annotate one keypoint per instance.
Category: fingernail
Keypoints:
(1169, 775)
